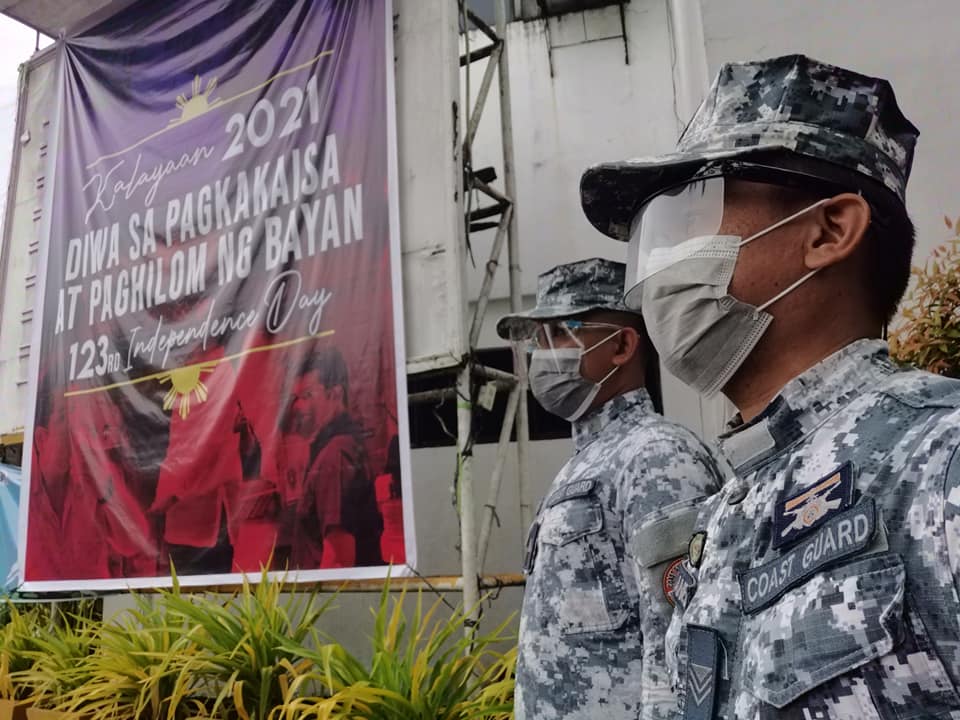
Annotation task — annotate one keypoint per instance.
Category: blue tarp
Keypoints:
(9, 525)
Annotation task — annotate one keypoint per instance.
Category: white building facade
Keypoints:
(586, 86)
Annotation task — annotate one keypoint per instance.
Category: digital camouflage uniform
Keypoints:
(605, 537)
(822, 581)
(814, 617)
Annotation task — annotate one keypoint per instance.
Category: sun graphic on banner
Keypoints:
(198, 103)
(184, 382)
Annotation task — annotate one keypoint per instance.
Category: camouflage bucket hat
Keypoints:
(569, 290)
(792, 104)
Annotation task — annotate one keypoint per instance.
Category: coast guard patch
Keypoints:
(798, 515)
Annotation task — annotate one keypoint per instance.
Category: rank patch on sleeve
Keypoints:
(798, 515)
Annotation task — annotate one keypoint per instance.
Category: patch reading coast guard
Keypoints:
(581, 488)
(841, 536)
(797, 516)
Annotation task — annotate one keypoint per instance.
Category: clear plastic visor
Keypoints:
(555, 334)
(665, 225)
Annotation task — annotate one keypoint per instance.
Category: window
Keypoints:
(531, 9)
(486, 10)
(435, 424)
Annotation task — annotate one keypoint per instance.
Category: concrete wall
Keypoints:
(911, 44)
(20, 251)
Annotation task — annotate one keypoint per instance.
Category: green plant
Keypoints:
(18, 640)
(136, 672)
(58, 657)
(245, 662)
(424, 668)
(253, 655)
(928, 336)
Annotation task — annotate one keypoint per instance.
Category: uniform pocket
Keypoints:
(838, 620)
(657, 543)
(665, 534)
(592, 594)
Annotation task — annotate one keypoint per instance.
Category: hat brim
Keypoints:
(611, 194)
(519, 325)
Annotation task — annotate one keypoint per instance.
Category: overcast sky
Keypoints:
(17, 44)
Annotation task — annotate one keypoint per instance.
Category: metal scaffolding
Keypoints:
(500, 214)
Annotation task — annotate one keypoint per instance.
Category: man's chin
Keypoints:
(303, 426)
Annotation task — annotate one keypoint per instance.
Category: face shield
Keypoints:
(671, 227)
(556, 335)
(556, 350)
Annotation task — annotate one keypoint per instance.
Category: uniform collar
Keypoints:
(633, 402)
(806, 402)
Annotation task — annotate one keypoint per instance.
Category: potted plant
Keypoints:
(423, 668)
(58, 659)
(18, 638)
(135, 672)
(246, 661)
(928, 335)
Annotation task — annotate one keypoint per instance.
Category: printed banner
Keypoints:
(220, 359)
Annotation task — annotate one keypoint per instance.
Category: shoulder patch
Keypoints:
(684, 586)
(695, 548)
(669, 581)
(796, 516)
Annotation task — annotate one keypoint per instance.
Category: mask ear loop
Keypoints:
(788, 290)
(596, 345)
(802, 280)
(783, 222)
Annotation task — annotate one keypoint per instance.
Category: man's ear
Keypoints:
(841, 224)
(628, 345)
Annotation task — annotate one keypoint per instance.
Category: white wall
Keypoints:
(913, 45)
(19, 255)
(595, 108)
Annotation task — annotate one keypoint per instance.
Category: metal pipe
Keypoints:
(444, 583)
(503, 447)
(489, 191)
(426, 396)
(468, 530)
(485, 83)
(480, 311)
(513, 254)
(489, 373)
(481, 25)
(478, 54)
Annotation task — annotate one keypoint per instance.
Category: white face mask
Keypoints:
(702, 333)
(557, 384)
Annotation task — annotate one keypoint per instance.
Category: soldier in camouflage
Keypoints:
(822, 582)
(610, 531)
